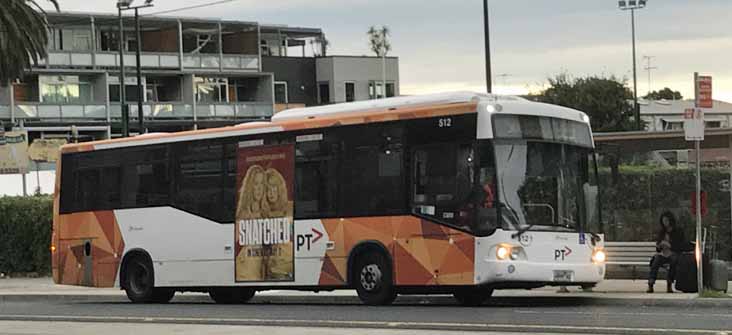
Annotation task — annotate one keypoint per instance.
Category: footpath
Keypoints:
(609, 292)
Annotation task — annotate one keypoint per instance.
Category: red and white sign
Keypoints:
(704, 92)
(694, 124)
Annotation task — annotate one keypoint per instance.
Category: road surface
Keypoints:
(430, 314)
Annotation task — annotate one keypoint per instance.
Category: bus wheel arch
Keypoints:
(371, 273)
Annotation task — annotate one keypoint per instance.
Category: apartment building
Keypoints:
(196, 73)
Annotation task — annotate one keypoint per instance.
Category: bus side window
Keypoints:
(371, 178)
(316, 178)
(200, 175)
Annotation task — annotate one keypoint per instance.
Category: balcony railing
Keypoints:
(235, 110)
(237, 62)
(161, 111)
(151, 60)
(203, 111)
(34, 110)
(147, 59)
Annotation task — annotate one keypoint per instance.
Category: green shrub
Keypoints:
(25, 234)
(631, 207)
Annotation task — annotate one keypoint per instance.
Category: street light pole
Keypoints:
(636, 108)
(140, 93)
(123, 101)
(632, 5)
(127, 5)
(486, 36)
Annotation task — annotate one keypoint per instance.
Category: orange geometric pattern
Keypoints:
(424, 253)
(73, 265)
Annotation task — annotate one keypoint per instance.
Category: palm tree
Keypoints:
(380, 45)
(23, 36)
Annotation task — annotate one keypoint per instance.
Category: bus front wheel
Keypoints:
(372, 278)
(231, 295)
(473, 296)
(140, 283)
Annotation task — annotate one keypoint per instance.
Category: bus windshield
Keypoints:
(541, 185)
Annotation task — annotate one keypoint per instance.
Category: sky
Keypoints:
(440, 42)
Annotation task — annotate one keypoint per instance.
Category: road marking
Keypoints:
(687, 315)
(362, 324)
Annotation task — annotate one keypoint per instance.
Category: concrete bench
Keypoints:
(630, 260)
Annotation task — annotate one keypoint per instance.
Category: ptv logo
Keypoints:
(562, 253)
(307, 240)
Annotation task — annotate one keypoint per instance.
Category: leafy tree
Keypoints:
(23, 36)
(379, 40)
(665, 93)
(606, 100)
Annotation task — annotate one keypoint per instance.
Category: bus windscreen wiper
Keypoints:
(522, 231)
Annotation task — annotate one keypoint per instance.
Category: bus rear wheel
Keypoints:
(231, 295)
(372, 278)
(473, 296)
(140, 283)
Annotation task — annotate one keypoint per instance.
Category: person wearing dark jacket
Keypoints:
(670, 243)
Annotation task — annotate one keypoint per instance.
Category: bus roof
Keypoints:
(346, 109)
(390, 109)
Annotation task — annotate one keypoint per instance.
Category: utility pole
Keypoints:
(486, 35)
(649, 68)
(632, 5)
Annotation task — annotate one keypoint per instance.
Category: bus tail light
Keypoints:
(599, 256)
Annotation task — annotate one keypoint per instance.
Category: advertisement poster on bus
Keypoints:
(264, 223)
(13, 152)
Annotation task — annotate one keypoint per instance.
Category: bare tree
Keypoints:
(380, 45)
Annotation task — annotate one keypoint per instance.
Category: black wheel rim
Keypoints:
(371, 277)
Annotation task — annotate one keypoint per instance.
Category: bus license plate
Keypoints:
(565, 276)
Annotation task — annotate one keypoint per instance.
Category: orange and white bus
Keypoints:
(457, 193)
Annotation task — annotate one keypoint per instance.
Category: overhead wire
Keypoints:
(114, 20)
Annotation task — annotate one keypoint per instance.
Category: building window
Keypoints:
(390, 90)
(281, 92)
(671, 125)
(350, 91)
(324, 93)
(66, 89)
(212, 90)
(108, 41)
(244, 89)
(376, 89)
(70, 39)
(713, 124)
(131, 93)
(162, 89)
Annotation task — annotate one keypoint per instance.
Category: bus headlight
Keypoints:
(503, 252)
(506, 252)
(599, 256)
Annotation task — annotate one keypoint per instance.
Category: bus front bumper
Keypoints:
(493, 272)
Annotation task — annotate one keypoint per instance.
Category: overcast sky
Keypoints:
(440, 42)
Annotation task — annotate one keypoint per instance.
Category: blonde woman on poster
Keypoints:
(251, 194)
(263, 195)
